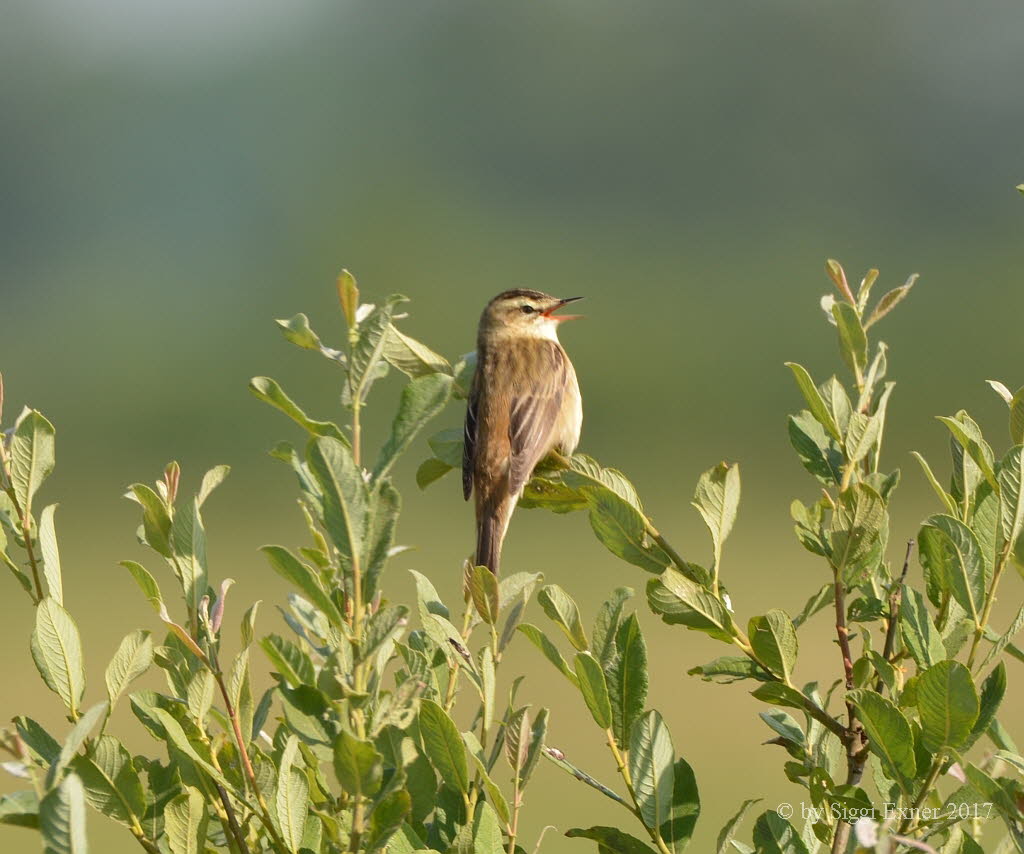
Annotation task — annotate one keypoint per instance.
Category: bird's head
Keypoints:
(524, 312)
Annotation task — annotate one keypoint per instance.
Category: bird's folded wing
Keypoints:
(534, 414)
(469, 440)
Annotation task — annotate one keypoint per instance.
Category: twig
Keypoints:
(623, 769)
(654, 534)
(853, 738)
(990, 600)
(895, 603)
(246, 762)
(235, 830)
(926, 787)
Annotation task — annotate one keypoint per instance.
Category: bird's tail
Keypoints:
(490, 534)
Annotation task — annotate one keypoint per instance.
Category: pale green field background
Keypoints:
(174, 176)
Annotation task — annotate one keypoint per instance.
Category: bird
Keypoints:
(524, 403)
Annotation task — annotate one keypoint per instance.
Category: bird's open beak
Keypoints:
(562, 317)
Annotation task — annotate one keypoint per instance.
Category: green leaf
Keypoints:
(785, 725)
(1011, 488)
(627, 679)
(443, 745)
(859, 525)
(1017, 417)
(774, 835)
(681, 601)
(651, 758)
(386, 819)
(889, 733)
(678, 830)
(717, 499)
(176, 737)
(447, 446)
(815, 402)
(494, 795)
(188, 538)
(487, 837)
(368, 350)
(517, 740)
(819, 453)
(185, 822)
(562, 608)
(968, 434)
(538, 735)
(20, 809)
(993, 689)
(112, 785)
(919, 634)
(240, 691)
(387, 624)
(730, 668)
(75, 739)
(550, 651)
(156, 523)
(594, 688)
(57, 652)
(607, 623)
(427, 596)
(132, 659)
(421, 400)
(292, 800)
(345, 495)
(385, 505)
(483, 588)
(615, 516)
(270, 392)
(348, 296)
(853, 343)
(1003, 641)
(822, 599)
(296, 330)
(31, 456)
(726, 833)
(295, 572)
(993, 791)
(211, 480)
(864, 291)
(50, 555)
(411, 357)
(147, 584)
(43, 747)
(357, 765)
(62, 818)
(431, 469)
(775, 644)
(889, 301)
(610, 839)
(948, 703)
(861, 435)
(949, 552)
(944, 496)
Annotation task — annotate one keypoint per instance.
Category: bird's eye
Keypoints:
(527, 309)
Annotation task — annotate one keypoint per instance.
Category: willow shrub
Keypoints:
(357, 744)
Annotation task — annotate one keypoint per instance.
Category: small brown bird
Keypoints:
(524, 403)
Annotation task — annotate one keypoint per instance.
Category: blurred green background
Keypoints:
(176, 175)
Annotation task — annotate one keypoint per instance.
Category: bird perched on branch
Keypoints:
(524, 403)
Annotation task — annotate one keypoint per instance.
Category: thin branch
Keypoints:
(895, 603)
(235, 830)
(853, 739)
(246, 762)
